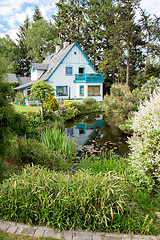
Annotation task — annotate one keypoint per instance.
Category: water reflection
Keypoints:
(93, 134)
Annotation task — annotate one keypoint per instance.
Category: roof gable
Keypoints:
(55, 60)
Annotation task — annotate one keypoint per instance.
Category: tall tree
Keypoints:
(22, 35)
(70, 19)
(10, 51)
(151, 33)
(37, 15)
(41, 39)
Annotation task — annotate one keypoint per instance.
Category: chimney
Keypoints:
(57, 48)
(65, 44)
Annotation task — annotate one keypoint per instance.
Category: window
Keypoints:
(68, 70)
(81, 90)
(81, 131)
(81, 70)
(62, 91)
(93, 90)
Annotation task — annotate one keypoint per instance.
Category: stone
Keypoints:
(82, 236)
(143, 237)
(67, 235)
(12, 229)
(28, 231)
(53, 234)
(4, 226)
(39, 233)
(98, 235)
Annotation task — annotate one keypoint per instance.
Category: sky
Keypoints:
(14, 12)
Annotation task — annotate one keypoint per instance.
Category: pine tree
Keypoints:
(151, 33)
(37, 15)
(41, 40)
(22, 35)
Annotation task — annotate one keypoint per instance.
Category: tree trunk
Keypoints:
(128, 62)
(42, 110)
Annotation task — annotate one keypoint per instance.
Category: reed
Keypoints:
(56, 140)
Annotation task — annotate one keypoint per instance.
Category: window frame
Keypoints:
(83, 70)
(62, 90)
(99, 94)
(69, 74)
(80, 87)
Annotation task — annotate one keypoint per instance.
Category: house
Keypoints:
(11, 77)
(69, 72)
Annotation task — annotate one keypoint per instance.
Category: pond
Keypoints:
(92, 134)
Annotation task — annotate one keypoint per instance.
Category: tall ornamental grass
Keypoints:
(145, 143)
(55, 139)
(63, 201)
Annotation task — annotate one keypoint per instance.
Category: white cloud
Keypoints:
(13, 13)
(152, 7)
(1, 26)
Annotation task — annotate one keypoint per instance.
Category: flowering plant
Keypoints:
(151, 85)
(145, 142)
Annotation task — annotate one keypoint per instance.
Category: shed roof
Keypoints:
(12, 77)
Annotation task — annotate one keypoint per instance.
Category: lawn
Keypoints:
(20, 108)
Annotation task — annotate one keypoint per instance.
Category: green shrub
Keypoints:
(80, 201)
(51, 103)
(34, 119)
(120, 104)
(28, 151)
(144, 144)
(89, 101)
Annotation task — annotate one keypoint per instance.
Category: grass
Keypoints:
(55, 139)
(21, 109)
(7, 236)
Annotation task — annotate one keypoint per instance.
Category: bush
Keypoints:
(120, 104)
(151, 85)
(80, 201)
(144, 144)
(89, 101)
(51, 103)
(28, 151)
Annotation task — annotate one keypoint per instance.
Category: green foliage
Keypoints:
(10, 52)
(151, 85)
(120, 103)
(63, 201)
(41, 39)
(40, 90)
(11, 122)
(70, 109)
(20, 98)
(89, 101)
(105, 163)
(144, 144)
(22, 35)
(51, 103)
(34, 119)
(3, 68)
(56, 140)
